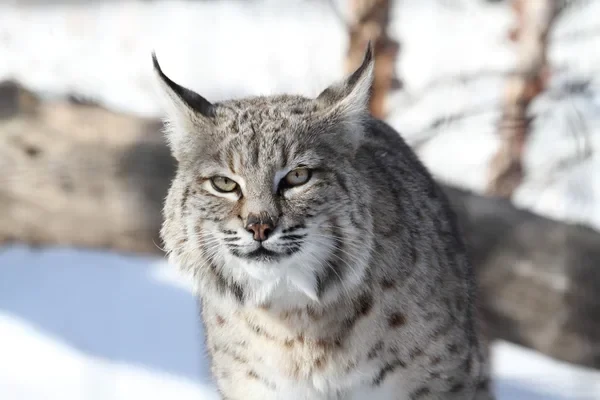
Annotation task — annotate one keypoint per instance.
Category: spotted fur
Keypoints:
(361, 291)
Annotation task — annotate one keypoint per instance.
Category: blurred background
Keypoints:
(500, 99)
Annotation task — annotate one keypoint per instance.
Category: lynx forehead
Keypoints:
(327, 260)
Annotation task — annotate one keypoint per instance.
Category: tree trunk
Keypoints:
(370, 21)
(79, 175)
(534, 22)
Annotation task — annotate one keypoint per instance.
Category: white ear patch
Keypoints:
(350, 97)
(186, 111)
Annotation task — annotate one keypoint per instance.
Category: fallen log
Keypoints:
(80, 175)
(539, 278)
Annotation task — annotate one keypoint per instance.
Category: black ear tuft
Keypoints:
(192, 99)
(351, 96)
(366, 63)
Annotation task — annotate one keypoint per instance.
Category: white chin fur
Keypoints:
(282, 280)
(291, 281)
(264, 272)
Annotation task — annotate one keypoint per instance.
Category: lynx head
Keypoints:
(268, 203)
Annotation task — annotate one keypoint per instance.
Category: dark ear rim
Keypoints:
(189, 97)
(366, 62)
(342, 89)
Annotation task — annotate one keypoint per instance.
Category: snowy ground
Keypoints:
(81, 325)
(85, 325)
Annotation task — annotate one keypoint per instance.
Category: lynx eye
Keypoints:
(223, 184)
(297, 177)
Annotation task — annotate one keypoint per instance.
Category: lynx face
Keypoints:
(266, 193)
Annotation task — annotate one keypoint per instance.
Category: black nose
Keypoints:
(261, 226)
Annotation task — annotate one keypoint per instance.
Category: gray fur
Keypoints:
(371, 295)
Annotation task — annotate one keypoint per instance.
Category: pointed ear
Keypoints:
(350, 98)
(187, 113)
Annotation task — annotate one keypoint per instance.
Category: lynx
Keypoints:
(327, 261)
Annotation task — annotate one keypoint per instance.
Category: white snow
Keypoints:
(227, 48)
(87, 325)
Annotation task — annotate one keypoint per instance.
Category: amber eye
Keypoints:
(297, 177)
(223, 184)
